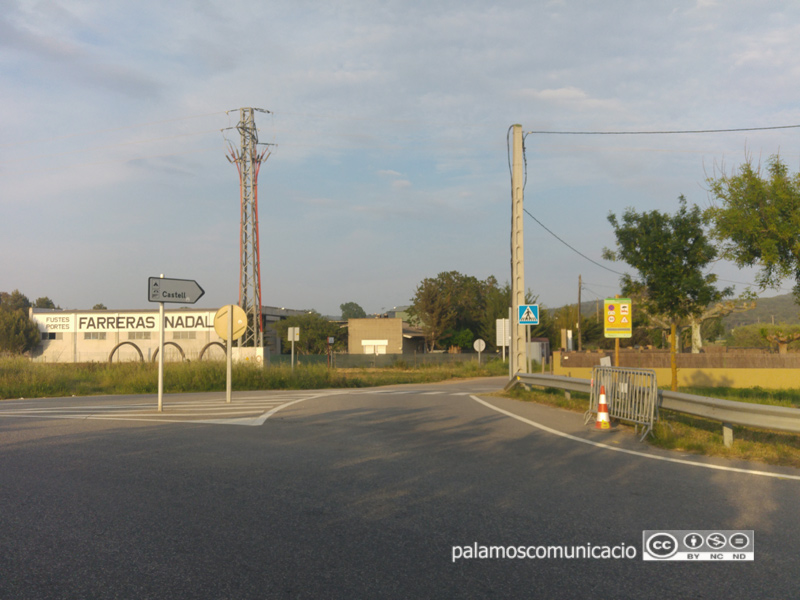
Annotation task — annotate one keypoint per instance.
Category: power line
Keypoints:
(664, 132)
(543, 226)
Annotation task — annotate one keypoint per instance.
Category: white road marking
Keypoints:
(248, 410)
(633, 452)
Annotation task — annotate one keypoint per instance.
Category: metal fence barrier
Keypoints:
(631, 394)
(727, 412)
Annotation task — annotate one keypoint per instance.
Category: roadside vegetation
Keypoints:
(683, 433)
(21, 378)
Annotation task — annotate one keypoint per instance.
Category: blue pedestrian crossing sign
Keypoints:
(528, 314)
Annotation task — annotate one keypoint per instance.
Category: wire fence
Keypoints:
(366, 361)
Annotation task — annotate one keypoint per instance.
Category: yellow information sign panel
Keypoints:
(617, 317)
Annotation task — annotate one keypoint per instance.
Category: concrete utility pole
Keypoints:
(518, 352)
(580, 285)
(248, 162)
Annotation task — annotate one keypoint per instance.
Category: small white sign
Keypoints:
(503, 333)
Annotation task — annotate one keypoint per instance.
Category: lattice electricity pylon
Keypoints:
(248, 162)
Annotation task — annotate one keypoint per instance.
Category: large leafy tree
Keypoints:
(455, 309)
(432, 308)
(757, 218)
(351, 310)
(314, 333)
(670, 254)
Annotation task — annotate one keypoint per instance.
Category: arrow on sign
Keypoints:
(180, 291)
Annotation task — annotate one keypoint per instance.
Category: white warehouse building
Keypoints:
(133, 335)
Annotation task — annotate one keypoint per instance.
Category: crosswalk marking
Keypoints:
(251, 409)
(247, 410)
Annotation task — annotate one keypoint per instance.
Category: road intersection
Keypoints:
(362, 493)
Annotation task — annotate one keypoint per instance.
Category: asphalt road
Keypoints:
(362, 494)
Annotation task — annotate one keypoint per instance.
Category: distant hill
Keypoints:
(780, 308)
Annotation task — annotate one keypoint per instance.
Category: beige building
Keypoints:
(383, 336)
(103, 335)
(133, 335)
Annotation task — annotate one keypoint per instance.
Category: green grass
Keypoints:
(20, 378)
(756, 395)
(694, 435)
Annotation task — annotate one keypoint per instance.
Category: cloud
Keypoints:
(399, 181)
(388, 116)
(62, 56)
(574, 97)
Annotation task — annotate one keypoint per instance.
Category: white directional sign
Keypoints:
(180, 291)
(528, 314)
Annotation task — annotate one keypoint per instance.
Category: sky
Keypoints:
(388, 122)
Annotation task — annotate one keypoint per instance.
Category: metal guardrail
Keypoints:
(727, 412)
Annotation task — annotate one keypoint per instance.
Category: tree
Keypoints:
(757, 220)
(781, 335)
(746, 336)
(314, 333)
(431, 306)
(456, 308)
(715, 311)
(16, 300)
(100, 306)
(18, 334)
(670, 253)
(351, 310)
(44, 302)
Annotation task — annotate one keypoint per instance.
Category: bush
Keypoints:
(18, 334)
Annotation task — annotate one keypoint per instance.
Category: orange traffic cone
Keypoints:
(602, 422)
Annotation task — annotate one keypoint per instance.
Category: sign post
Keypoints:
(502, 335)
(230, 323)
(161, 335)
(180, 291)
(331, 341)
(617, 321)
(527, 314)
(479, 346)
(294, 336)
